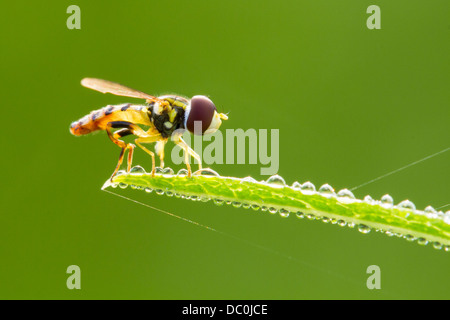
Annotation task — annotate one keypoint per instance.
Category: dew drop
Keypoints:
(368, 199)
(431, 213)
(409, 237)
(121, 172)
(296, 186)
(169, 193)
(248, 179)
(325, 219)
(422, 241)
(327, 191)
(437, 245)
(132, 186)
(228, 202)
(273, 210)
(113, 185)
(206, 172)
(194, 198)
(158, 170)
(284, 213)
(387, 201)
(264, 208)
(276, 180)
(407, 205)
(137, 169)
(236, 204)
(255, 207)
(310, 216)
(182, 172)
(159, 192)
(122, 185)
(245, 206)
(308, 188)
(345, 193)
(446, 248)
(364, 229)
(300, 215)
(218, 202)
(341, 223)
(148, 190)
(167, 171)
(351, 225)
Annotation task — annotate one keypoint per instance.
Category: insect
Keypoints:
(167, 116)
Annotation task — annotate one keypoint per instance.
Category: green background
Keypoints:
(351, 104)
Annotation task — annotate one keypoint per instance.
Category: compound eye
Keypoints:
(202, 109)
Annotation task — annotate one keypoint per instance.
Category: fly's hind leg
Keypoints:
(127, 128)
(188, 152)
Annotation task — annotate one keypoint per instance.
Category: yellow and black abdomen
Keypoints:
(98, 119)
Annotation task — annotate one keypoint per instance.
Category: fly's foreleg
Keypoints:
(188, 152)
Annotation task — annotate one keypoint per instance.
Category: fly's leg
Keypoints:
(159, 148)
(148, 138)
(188, 152)
(127, 129)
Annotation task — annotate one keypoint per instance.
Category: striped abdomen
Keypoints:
(98, 119)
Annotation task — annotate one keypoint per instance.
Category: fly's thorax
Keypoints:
(167, 118)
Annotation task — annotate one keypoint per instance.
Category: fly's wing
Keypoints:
(117, 89)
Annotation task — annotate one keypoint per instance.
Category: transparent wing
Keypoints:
(117, 89)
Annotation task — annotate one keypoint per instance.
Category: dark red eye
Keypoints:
(202, 109)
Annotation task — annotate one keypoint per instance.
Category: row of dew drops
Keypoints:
(307, 188)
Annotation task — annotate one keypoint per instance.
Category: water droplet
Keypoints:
(300, 215)
(182, 172)
(133, 186)
(218, 202)
(308, 188)
(310, 216)
(368, 199)
(327, 191)
(409, 237)
(158, 170)
(255, 207)
(194, 198)
(169, 193)
(177, 195)
(276, 180)
(422, 241)
(351, 225)
(137, 169)
(159, 192)
(345, 193)
(206, 172)
(437, 245)
(296, 186)
(122, 185)
(325, 220)
(272, 210)
(264, 208)
(248, 179)
(387, 201)
(113, 185)
(236, 204)
(364, 229)
(389, 233)
(167, 171)
(121, 172)
(341, 223)
(430, 212)
(228, 202)
(245, 206)
(446, 248)
(407, 205)
(284, 213)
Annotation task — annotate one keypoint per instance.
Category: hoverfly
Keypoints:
(163, 115)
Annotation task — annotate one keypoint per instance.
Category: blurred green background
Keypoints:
(351, 104)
